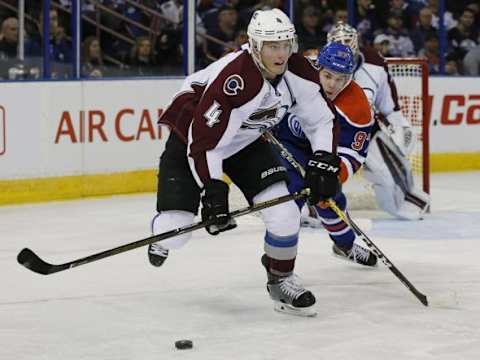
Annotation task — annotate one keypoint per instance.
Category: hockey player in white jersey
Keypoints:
(387, 166)
(217, 119)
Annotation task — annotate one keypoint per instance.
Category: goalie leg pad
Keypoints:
(392, 179)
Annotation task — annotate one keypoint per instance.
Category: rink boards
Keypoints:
(61, 140)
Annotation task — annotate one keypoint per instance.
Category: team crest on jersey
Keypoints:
(233, 85)
(265, 118)
(295, 127)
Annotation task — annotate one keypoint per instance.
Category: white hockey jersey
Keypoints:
(226, 106)
(372, 76)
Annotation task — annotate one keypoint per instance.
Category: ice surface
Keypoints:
(212, 291)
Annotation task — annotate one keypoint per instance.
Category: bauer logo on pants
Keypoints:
(272, 171)
(3, 131)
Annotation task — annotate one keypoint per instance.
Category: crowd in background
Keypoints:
(144, 38)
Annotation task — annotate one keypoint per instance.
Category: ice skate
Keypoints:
(356, 254)
(291, 297)
(288, 295)
(157, 254)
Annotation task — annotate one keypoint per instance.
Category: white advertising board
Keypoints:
(52, 129)
(72, 128)
(455, 114)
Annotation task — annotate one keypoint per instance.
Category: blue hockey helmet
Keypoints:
(337, 57)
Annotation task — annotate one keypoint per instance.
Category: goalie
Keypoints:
(387, 166)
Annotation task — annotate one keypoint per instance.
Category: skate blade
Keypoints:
(353, 262)
(290, 310)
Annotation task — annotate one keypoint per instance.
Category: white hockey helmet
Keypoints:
(344, 34)
(269, 25)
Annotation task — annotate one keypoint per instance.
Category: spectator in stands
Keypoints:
(402, 9)
(309, 31)
(448, 19)
(89, 10)
(142, 60)
(136, 15)
(475, 7)
(471, 61)
(167, 45)
(210, 17)
(92, 59)
(246, 13)
(431, 54)
(8, 46)
(417, 5)
(340, 14)
(382, 45)
(60, 49)
(423, 29)
(463, 37)
(452, 65)
(167, 51)
(366, 20)
(400, 43)
(225, 32)
(9, 39)
(112, 19)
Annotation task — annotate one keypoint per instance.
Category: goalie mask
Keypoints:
(344, 34)
(269, 25)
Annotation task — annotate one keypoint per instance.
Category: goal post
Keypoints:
(411, 78)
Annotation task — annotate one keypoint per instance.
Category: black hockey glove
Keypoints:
(321, 176)
(215, 207)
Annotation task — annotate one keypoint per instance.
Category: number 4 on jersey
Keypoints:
(212, 114)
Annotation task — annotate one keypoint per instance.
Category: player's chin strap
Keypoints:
(346, 218)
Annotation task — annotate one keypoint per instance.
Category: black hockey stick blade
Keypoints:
(33, 262)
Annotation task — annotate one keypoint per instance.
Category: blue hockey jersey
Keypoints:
(356, 122)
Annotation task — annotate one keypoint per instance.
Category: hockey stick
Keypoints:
(33, 262)
(347, 219)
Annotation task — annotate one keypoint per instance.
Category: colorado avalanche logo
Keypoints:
(265, 118)
(233, 85)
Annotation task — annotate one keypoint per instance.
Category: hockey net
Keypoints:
(411, 78)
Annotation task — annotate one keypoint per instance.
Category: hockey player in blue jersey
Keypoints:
(336, 65)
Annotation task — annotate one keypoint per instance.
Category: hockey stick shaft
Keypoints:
(347, 219)
(33, 262)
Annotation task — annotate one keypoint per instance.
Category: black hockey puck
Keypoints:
(184, 344)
